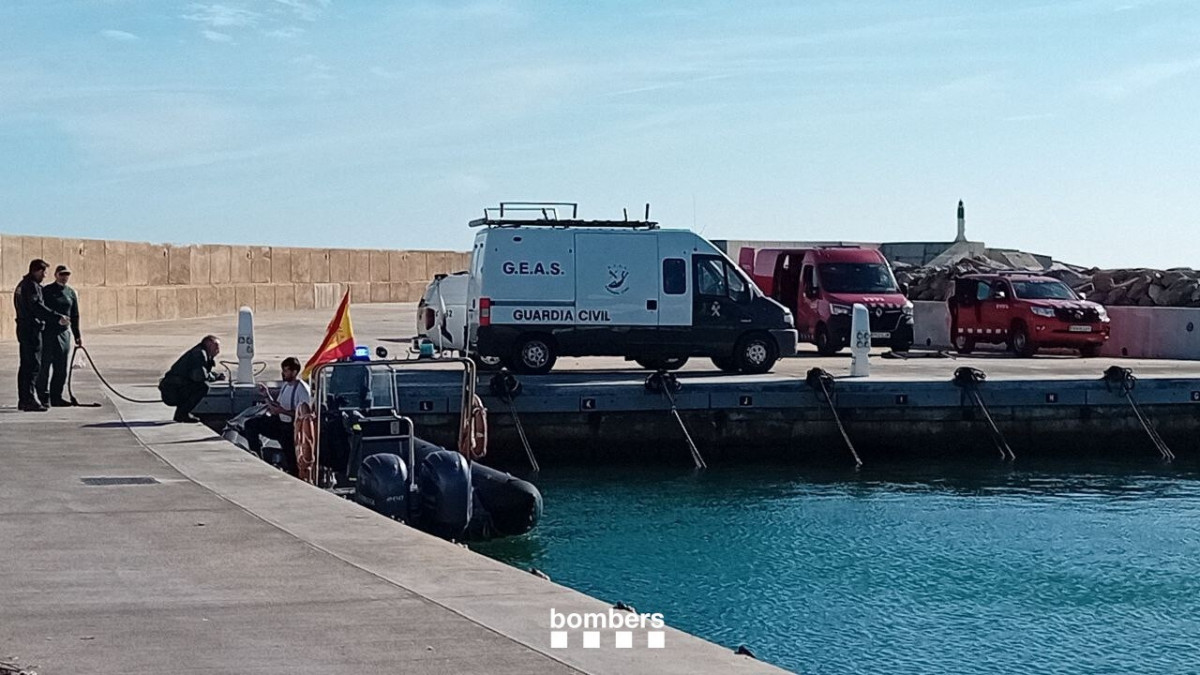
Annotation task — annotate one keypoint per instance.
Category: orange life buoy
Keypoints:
(473, 436)
(305, 438)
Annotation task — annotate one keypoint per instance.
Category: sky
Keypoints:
(1070, 128)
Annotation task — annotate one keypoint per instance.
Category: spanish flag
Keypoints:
(338, 342)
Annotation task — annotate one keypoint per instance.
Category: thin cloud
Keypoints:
(306, 10)
(214, 36)
(118, 35)
(222, 16)
(1136, 79)
(286, 33)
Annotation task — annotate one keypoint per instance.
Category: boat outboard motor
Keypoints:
(383, 485)
(444, 494)
(506, 505)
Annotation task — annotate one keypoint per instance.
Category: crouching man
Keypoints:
(279, 422)
(186, 383)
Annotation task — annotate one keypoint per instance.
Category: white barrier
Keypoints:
(1137, 332)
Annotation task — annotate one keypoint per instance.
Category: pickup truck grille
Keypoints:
(1077, 314)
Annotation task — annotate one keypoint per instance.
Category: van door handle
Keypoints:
(747, 320)
(652, 305)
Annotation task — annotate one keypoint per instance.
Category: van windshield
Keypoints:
(1043, 290)
(857, 278)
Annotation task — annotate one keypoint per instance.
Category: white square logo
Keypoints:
(656, 639)
(624, 639)
(591, 639)
(558, 639)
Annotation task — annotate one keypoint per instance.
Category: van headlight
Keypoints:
(907, 308)
(1102, 312)
(837, 310)
(1047, 312)
(788, 319)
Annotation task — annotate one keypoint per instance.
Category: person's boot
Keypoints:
(188, 418)
(60, 403)
(32, 406)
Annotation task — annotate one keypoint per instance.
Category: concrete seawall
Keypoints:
(1137, 332)
(123, 282)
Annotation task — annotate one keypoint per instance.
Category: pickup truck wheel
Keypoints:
(725, 363)
(1020, 342)
(672, 363)
(756, 353)
(825, 346)
(534, 355)
(964, 344)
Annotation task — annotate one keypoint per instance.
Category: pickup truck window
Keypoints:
(983, 291)
(1043, 290)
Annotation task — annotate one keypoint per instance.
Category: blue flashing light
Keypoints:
(361, 353)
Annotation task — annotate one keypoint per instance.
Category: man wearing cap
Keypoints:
(56, 339)
(32, 317)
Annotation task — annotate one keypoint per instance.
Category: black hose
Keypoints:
(105, 382)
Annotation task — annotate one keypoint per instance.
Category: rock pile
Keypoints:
(1179, 287)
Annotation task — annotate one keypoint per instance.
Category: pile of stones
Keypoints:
(1179, 287)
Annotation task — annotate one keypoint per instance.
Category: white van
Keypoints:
(442, 313)
(541, 287)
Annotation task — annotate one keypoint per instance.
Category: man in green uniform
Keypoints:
(56, 339)
(32, 317)
(186, 383)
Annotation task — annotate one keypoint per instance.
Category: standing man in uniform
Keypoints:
(32, 317)
(279, 422)
(186, 383)
(56, 339)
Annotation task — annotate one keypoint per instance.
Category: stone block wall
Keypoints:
(122, 282)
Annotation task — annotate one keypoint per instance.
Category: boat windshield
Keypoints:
(1043, 290)
(857, 278)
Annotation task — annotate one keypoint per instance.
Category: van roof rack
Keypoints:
(546, 214)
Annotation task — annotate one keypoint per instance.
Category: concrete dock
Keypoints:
(132, 545)
(213, 562)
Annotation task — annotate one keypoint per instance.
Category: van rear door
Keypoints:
(616, 279)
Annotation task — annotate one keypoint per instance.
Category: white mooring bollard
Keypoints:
(860, 341)
(245, 346)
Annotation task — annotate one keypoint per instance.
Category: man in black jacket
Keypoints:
(186, 383)
(56, 339)
(32, 317)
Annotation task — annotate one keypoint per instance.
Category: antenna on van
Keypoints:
(647, 212)
(625, 214)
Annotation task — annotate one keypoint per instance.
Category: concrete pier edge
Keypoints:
(505, 600)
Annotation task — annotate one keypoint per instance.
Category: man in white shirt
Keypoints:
(278, 423)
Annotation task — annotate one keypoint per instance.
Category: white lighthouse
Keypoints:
(962, 223)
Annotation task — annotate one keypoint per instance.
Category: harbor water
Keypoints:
(979, 567)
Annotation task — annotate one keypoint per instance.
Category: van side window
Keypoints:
(984, 291)
(808, 281)
(710, 277)
(674, 276)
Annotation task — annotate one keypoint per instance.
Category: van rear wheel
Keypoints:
(756, 353)
(672, 363)
(534, 355)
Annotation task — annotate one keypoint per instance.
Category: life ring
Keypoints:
(473, 436)
(305, 439)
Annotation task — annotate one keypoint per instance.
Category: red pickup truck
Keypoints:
(821, 285)
(1026, 312)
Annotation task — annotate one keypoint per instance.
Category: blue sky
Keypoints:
(1069, 128)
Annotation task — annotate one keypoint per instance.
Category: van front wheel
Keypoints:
(534, 355)
(756, 353)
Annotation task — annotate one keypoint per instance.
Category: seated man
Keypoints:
(279, 422)
(186, 383)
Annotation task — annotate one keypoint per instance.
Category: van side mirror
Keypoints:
(811, 291)
(904, 289)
